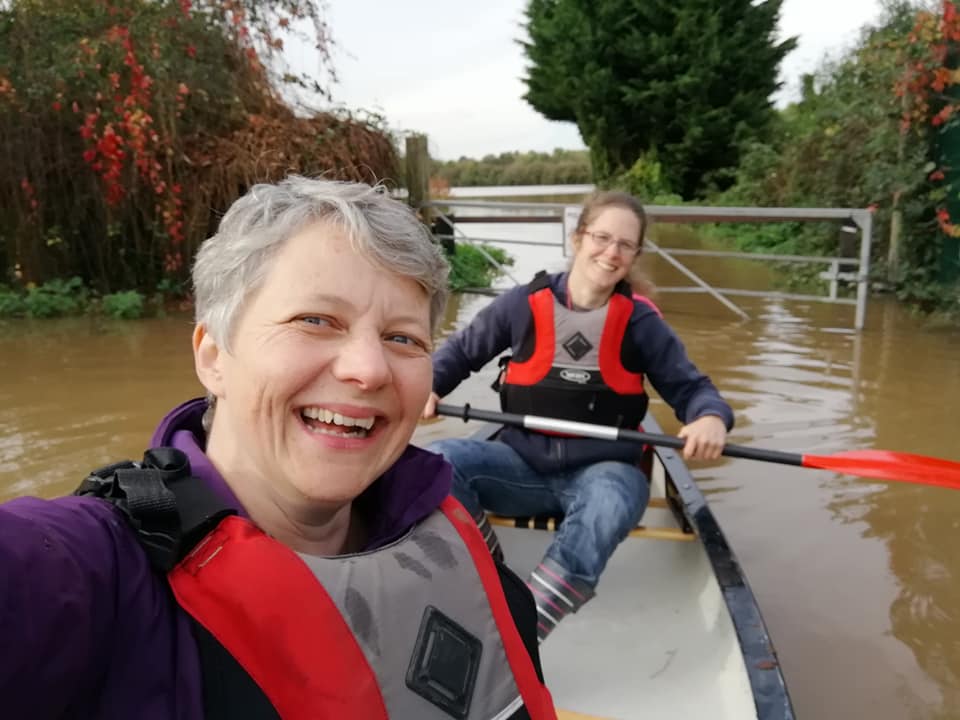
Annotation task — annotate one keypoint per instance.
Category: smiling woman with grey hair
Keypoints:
(282, 551)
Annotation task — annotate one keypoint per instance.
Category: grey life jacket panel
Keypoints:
(577, 345)
(441, 585)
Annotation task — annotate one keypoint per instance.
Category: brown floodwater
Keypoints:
(859, 581)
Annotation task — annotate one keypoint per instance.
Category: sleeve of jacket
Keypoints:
(663, 358)
(487, 335)
(60, 561)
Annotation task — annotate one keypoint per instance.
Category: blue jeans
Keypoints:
(601, 503)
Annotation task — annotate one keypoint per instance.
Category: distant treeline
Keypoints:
(560, 167)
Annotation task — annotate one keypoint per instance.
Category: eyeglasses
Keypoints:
(604, 239)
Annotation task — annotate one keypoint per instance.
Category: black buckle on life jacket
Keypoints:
(168, 508)
(540, 281)
(498, 380)
(623, 287)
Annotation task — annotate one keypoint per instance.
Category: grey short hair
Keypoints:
(231, 265)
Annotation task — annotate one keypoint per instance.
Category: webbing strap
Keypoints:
(168, 508)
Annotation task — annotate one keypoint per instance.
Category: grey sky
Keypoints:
(452, 68)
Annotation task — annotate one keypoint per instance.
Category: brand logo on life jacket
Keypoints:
(577, 376)
(577, 345)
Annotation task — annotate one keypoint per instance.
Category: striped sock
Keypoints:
(557, 594)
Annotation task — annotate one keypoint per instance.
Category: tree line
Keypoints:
(561, 167)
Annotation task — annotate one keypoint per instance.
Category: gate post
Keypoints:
(865, 221)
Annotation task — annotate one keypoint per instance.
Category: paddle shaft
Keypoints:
(605, 432)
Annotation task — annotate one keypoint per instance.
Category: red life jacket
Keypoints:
(569, 364)
(419, 628)
(301, 645)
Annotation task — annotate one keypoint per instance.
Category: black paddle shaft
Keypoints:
(605, 432)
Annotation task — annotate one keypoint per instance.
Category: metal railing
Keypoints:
(565, 215)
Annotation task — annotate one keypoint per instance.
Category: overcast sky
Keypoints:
(452, 69)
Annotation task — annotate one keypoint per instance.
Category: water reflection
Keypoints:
(920, 526)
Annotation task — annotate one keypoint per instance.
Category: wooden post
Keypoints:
(418, 175)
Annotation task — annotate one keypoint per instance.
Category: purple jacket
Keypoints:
(88, 630)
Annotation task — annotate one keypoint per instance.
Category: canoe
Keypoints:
(674, 631)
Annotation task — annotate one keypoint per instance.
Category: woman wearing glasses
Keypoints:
(581, 344)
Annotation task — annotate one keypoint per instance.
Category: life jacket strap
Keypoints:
(169, 509)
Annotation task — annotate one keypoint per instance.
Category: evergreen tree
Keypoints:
(686, 81)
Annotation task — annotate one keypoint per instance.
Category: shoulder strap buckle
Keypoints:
(100, 482)
(502, 363)
(141, 491)
(540, 281)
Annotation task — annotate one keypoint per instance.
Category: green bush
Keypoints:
(56, 298)
(645, 181)
(469, 268)
(52, 299)
(169, 287)
(127, 305)
(11, 303)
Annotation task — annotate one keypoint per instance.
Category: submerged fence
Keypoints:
(839, 269)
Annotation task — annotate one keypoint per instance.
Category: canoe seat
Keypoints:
(551, 523)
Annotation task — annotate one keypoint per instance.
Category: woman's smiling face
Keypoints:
(327, 375)
(607, 247)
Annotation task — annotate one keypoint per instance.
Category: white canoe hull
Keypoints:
(674, 632)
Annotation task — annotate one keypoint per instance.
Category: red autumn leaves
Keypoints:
(120, 133)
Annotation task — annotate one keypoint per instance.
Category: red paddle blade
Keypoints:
(886, 465)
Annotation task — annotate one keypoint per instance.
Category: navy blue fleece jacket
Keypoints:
(650, 346)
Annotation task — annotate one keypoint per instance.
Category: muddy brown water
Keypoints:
(859, 581)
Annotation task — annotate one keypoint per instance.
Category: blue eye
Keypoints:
(314, 320)
(402, 339)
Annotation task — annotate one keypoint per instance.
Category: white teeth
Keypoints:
(325, 431)
(330, 417)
